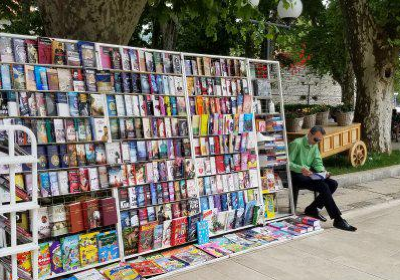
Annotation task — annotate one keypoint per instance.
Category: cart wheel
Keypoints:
(358, 154)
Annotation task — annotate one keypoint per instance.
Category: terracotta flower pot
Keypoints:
(323, 118)
(294, 125)
(344, 119)
(309, 121)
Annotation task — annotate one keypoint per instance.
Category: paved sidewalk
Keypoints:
(373, 252)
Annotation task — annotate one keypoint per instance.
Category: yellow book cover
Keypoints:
(19, 183)
(204, 124)
(199, 105)
(24, 261)
(88, 252)
(190, 85)
(196, 124)
(167, 105)
(269, 202)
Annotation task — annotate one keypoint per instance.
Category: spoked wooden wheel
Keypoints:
(358, 154)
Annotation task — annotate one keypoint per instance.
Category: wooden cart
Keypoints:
(339, 139)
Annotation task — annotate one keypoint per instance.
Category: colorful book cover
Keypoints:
(169, 264)
(56, 257)
(146, 237)
(44, 260)
(107, 243)
(88, 250)
(147, 268)
(70, 252)
(193, 256)
(121, 272)
(24, 261)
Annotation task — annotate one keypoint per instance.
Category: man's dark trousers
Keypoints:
(325, 188)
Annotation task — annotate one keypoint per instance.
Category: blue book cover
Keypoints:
(118, 82)
(133, 157)
(19, 76)
(144, 82)
(239, 101)
(153, 84)
(203, 235)
(160, 85)
(158, 236)
(42, 157)
(141, 151)
(204, 203)
(248, 212)
(73, 104)
(207, 185)
(45, 184)
(125, 219)
(140, 196)
(70, 252)
(192, 226)
(53, 157)
(234, 200)
(136, 82)
(5, 76)
(153, 191)
(240, 199)
(87, 53)
(217, 202)
(174, 106)
(248, 122)
(107, 244)
(41, 78)
(111, 105)
(224, 202)
(126, 82)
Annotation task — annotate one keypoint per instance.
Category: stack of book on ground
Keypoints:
(204, 251)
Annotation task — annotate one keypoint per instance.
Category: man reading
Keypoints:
(308, 172)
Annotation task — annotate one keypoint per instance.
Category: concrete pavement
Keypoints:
(371, 253)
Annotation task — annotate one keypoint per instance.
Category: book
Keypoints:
(91, 213)
(169, 264)
(87, 53)
(44, 260)
(147, 268)
(88, 250)
(70, 252)
(108, 211)
(178, 231)
(56, 264)
(121, 272)
(107, 243)
(192, 256)
(64, 79)
(146, 237)
(32, 50)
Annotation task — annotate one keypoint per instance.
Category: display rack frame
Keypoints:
(107, 118)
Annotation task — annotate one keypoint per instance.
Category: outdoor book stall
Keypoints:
(149, 162)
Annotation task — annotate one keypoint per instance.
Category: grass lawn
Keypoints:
(339, 164)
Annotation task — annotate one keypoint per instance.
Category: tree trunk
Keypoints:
(374, 63)
(108, 21)
(347, 84)
(169, 34)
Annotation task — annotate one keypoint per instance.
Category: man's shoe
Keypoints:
(343, 225)
(315, 214)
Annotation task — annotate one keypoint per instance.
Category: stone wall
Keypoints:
(323, 90)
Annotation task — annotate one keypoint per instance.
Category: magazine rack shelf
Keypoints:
(150, 123)
(12, 207)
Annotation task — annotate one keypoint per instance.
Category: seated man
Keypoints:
(304, 159)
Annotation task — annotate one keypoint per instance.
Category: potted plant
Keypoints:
(344, 114)
(310, 117)
(322, 112)
(294, 120)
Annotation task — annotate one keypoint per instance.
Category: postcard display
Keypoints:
(136, 146)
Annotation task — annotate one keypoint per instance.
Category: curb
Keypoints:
(352, 179)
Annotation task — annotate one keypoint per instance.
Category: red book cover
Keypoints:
(147, 268)
(142, 213)
(217, 145)
(146, 234)
(75, 217)
(105, 56)
(44, 50)
(73, 179)
(108, 211)
(84, 180)
(179, 231)
(165, 191)
(219, 162)
(176, 211)
(91, 213)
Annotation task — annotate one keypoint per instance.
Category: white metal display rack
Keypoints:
(13, 207)
(23, 159)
